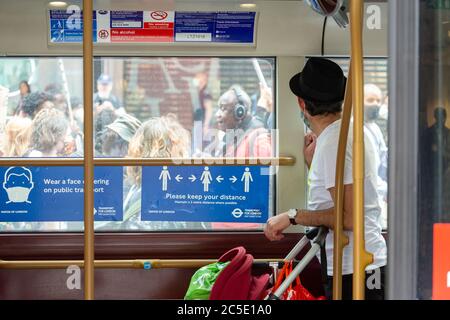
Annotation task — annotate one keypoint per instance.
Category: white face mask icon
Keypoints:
(18, 194)
(18, 184)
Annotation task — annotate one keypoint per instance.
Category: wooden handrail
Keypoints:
(76, 162)
(340, 240)
(361, 258)
(88, 58)
(117, 264)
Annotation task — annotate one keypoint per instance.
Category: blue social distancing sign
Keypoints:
(56, 194)
(206, 194)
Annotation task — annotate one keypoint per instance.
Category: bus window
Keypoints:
(152, 107)
(433, 154)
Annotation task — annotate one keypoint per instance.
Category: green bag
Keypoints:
(203, 280)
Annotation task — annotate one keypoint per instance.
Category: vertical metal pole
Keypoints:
(340, 240)
(88, 152)
(361, 258)
(404, 192)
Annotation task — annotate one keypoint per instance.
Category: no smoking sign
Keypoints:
(159, 15)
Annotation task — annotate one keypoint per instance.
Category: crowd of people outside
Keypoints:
(48, 124)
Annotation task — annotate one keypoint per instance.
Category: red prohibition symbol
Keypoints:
(158, 15)
(103, 34)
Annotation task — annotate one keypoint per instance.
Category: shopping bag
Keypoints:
(203, 280)
(295, 291)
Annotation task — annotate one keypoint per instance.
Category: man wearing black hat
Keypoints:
(320, 89)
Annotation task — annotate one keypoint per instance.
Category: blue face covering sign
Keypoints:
(206, 194)
(56, 194)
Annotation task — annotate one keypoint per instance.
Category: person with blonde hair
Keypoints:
(17, 136)
(49, 131)
(179, 136)
(158, 137)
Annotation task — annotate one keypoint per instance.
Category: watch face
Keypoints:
(292, 213)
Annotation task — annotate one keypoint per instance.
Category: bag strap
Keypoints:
(281, 276)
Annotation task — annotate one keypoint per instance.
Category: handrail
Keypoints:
(117, 264)
(88, 74)
(361, 258)
(275, 161)
(340, 240)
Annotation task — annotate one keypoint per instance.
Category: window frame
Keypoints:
(19, 245)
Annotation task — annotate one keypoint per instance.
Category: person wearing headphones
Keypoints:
(243, 136)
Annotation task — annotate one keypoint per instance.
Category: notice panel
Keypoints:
(205, 194)
(56, 194)
(155, 27)
(67, 27)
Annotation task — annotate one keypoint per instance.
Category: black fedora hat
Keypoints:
(321, 80)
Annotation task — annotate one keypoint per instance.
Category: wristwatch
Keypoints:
(292, 213)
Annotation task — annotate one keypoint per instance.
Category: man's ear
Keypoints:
(301, 104)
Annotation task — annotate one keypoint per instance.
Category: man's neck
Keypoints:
(322, 122)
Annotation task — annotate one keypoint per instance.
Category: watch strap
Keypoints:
(292, 220)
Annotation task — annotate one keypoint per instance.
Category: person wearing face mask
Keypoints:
(320, 89)
(373, 98)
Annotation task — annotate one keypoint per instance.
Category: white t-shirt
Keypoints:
(322, 177)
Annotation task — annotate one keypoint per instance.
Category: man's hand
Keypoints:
(309, 148)
(275, 226)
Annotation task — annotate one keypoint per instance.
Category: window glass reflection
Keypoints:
(156, 107)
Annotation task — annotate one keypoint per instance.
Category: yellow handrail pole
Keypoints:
(361, 258)
(340, 240)
(124, 162)
(88, 152)
(118, 264)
